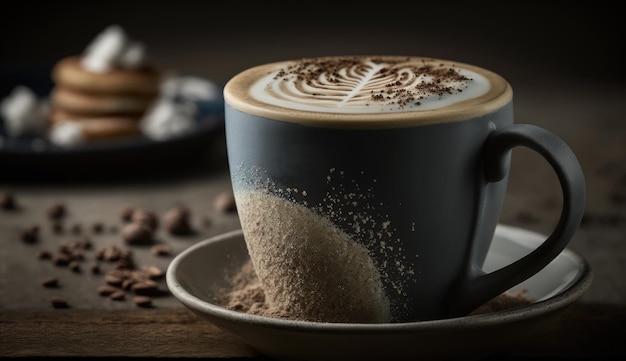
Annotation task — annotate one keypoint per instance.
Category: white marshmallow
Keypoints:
(191, 88)
(167, 119)
(67, 135)
(104, 51)
(175, 112)
(133, 56)
(22, 112)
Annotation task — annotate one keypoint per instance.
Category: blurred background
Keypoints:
(563, 60)
(526, 41)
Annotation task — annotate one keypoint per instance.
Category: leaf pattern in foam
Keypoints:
(344, 84)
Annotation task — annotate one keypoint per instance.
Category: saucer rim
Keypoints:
(568, 295)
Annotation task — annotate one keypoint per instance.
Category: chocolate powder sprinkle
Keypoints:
(443, 79)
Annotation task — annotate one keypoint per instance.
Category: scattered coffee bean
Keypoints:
(58, 302)
(124, 277)
(74, 266)
(118, 295)
(124, 264)
(176, 221)
(128, 283)
(61, 259)
(106, 290)
(146, 217)
(145, 288)
(110, 254)
(84, 243)
(30, 234)
(224, 202)
(56, 211)
(77, 255)
(50, 282)
(44, 255)
(142, 301)
(77, 228)
(137, 233)
(57, 227)
(97, 227)
(153, 272)
(161, 250)
(7, 201)
(113, 280)
(127, 213)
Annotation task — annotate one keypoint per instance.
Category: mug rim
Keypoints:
(236, 95)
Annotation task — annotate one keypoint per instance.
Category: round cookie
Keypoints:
(104, 127)
(70, 73)
(70, 101)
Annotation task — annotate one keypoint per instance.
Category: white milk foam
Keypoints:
(368, 85)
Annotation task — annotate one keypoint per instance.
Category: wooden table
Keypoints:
(587, 112)
(96, 326)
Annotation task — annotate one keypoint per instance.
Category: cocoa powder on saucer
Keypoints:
(245, 294)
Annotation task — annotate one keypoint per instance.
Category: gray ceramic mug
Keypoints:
(369, 188)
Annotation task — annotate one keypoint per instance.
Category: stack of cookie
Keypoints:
(103, 93)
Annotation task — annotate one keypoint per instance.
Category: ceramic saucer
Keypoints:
(195, 276)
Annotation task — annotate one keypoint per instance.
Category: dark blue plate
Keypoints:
(36, 157)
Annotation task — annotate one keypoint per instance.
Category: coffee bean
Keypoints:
(146, 217)
(118, 295)
(142, 301)
(7, 201)
(95, 268)
(44, 255)
(97, 227)
(84, 243)
(137, 233)
(224, 202)
(74, 266)
(113, 280)
(57, 227)
(30, 234)
(56, 211)
(176, 221)
(77, 255)
(127, 213)
(128, 283)
(145, 288)
(106, 290)
(161, 250)
(153, 272)
(50, 282)
(61, 259)
(58, 302)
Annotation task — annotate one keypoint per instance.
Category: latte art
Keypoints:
(367, 85)
(367, 91)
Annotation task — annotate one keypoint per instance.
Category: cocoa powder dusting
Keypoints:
(245, 294)
(437, 79)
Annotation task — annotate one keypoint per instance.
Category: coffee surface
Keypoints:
(367, 90)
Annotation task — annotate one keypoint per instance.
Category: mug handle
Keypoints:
(475, 287)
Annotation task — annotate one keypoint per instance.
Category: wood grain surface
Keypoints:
(580, 331)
